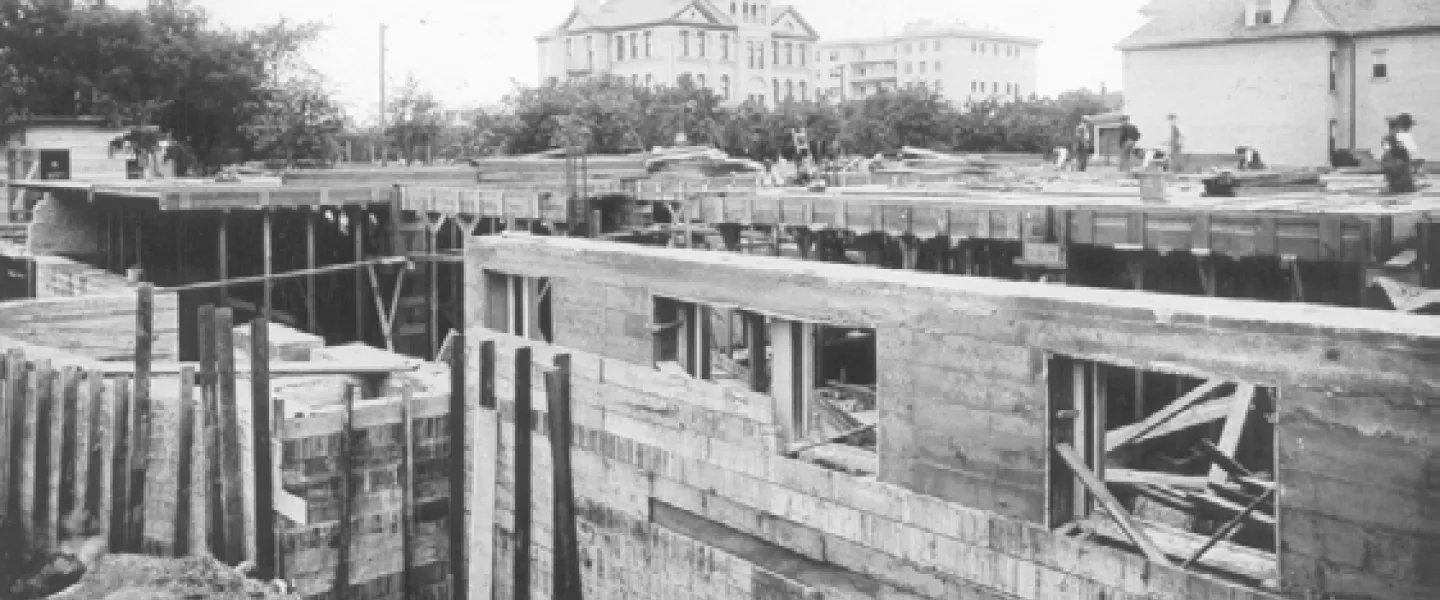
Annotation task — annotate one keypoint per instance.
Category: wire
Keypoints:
(389, 260)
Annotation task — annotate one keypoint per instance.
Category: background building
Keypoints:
(1294, 78)
(961, 63)
(743, 50)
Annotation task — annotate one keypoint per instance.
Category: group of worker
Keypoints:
(1083, 145)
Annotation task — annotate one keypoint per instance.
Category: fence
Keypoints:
(176, 459)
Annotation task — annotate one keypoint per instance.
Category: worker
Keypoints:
(1129, 135)
(1177, 142)
(1397, 162)
(1084, 144)
(1405, 123)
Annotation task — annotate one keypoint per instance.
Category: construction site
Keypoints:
(575, 377)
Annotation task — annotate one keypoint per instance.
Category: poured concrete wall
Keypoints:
(960, 495)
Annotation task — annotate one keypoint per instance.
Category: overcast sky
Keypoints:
(468, 51)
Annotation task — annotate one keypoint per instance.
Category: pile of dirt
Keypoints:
(135, 577)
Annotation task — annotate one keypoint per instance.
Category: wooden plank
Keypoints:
(1139, 477)
(120, 469)
(200, 451)
(458, 418)
(62, 448)
(481, 541)
(266, 260)
(487, 374)
(1205, 412)
(232, 500)
(223, 251)
(140, 444)
(29, 438)
(102, 455)
(262, 426)
(755, 338)
(407, 496)
(783, 377)
(47, 460)
(185, 464)
(312, 315)
(209, 518)
(1234, 428)
(1219, 504)
(566, 553)
(357, 221)
(1222, 460)
(520, 571)
(282, 369)
(1112, 506)
(85, 407)
(7, 436)
(1179, 544)
(1195, 395)
(341, 587)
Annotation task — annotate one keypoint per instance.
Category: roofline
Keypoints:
(628, 26)
(1217, 41)
(982, 35)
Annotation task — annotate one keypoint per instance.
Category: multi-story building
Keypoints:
(742, 49)
(1296, 79)
(961, 63)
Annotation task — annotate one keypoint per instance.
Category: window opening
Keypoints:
(1381, 68)
(1165, 463)
(519, 306)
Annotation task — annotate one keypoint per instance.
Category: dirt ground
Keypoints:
(135, 577)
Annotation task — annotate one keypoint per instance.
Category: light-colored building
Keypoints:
(962, 63)
(743, 50)
(1295, 79)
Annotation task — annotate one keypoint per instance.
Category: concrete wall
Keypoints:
(1273, 95)
(960, 498)
(101, 327)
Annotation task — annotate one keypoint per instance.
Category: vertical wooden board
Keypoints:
(262, 423)
(140, 438)
(15, 367)
(56, 454)
(481, 545)
(159, 476)
(522, 476)
(120, 468)
(103, 454)
(458, 421)
(85, 407)
(185, 438)
(782, 377)
(29, 435)
(200, 451)
(7, 438)
(232, 500)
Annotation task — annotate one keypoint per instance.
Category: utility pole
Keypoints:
(384, 149)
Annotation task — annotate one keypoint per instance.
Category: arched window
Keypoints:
(725, 87)
(685, 43)
(725, 46)
(789, 53)
(701, 36)
(647, 44)
(802, 92)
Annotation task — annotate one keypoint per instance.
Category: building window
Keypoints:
(802, 92)
(725, 87)
(937, 45)
(1334, 69)
(1163, 452)
(725, 46)
(635, 80)
(685, 43)
(647, 44)
(908, 68)
(789, 90)
(732, 8)
(923, 64)
(589, 53)
(775, 53)
(759, 54)
(994, 87)
(700, 80)
(803, 52)
(937, 66)
(1381, 69)
(649, 80)
(634, 45)
(518, 306)
(907, 48)
(569, 47)
(619, 48)
(703, 43)
(777, 91)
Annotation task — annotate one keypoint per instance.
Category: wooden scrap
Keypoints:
(262, 425)
(1218, 504)
(1234, 429)
(140, 409)
(102, 455)
(1200, 414)
(1153, 421)
(184, 470)
(1138, 477)
(1224, 556)
(1229, 526)
(232, 501)
(1112, 506)
(1222, 460)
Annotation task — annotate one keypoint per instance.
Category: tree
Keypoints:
(414, 120)
(300, 120)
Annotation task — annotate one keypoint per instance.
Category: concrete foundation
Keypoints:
(961, 504)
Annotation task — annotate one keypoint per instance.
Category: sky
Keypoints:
(469, 52)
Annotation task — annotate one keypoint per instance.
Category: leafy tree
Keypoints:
(414, 120)
(299, 120)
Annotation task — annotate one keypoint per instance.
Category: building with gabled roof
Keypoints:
(742, 50)
(1296, 79)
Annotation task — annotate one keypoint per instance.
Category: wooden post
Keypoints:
(521, 570)
(224, 249)
(358, 233)
(459, 506)
(184, 505)
(262, 426)
(407, 497)
(102, 456)
(56, 453)
(480, 553)
(29, 451)
(565, 566)
(755, 329)
(232, 503)
(140, 403)
(311, 312)
(267, 261)
(209, 514)
(14, 384)
(47, 464)
(347, 495)
(7, 436)
(120, 468)
(77, 441)
(1112, 506)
